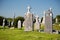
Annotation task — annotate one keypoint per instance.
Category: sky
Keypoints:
(19, 7)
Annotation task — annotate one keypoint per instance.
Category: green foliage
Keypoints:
(42, 26)
(9, 19)
(56, 26)
(1, 20)
(53, 20)
(18, 18)
(58, 17)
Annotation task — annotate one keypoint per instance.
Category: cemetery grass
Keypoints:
(19, 34)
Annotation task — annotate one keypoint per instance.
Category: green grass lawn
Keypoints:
(16, 34)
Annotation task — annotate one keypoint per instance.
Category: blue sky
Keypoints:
(19, 7)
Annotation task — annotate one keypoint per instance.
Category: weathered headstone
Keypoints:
(56, 20)
(37, 24)
(57, 32)
(28, 23)
(19, 24)
(12, 23)
(48, 21)
(3, 22)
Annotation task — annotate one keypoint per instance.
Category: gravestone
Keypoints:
(57, 32)
(28, 23)
(37, 24)
(48, 21)
(56, 20)
(3, 23)
(12, 23)
(19, 24)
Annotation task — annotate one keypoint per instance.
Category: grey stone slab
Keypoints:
(19, 24)
(48, 22)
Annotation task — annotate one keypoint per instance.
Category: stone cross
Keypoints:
(28, 23)
(19, 24)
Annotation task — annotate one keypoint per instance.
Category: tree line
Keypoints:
(7, 20)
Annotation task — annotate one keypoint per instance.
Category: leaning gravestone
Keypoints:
(48, 21)
(37, 24)
(19, 24)
(28, 23)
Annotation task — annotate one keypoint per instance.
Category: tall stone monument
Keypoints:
(37, 24)
(48, 21)
(19, 24)
(28, 23)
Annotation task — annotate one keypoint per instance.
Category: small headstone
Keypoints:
(3, 22)
(57, 31)
(56, 20)
(12, 23)
(19, 24)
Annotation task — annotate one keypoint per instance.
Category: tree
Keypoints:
(54, 20)
(58, 17)
(16, 20)
(41, 19)
(1, 20)
(9, 19)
